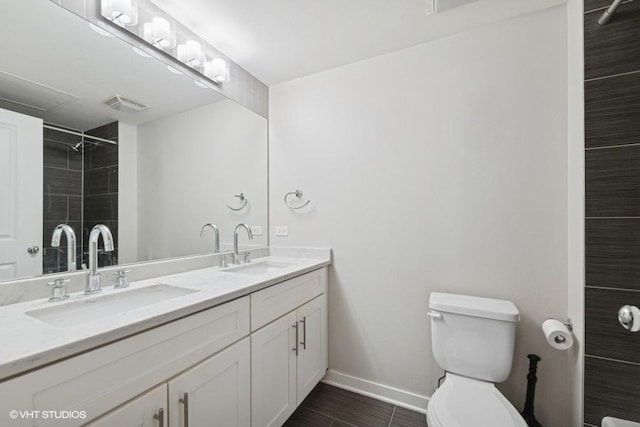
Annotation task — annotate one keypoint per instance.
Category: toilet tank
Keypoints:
(473, 336)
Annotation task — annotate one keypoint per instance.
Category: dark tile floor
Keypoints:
(328, 406)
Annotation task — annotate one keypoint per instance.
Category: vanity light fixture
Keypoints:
(120, 12)
(141, 52)
(100, 31)
(159, 33)
(190, 53)
(145, 20)
(217, 69)
(174, 70)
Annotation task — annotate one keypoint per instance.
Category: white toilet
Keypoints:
(472, 340)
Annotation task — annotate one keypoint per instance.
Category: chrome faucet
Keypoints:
(71, 243)
(236, 257)
(93, 277)
(216, 236)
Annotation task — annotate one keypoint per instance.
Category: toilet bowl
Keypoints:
(472, 339)
(465, 402)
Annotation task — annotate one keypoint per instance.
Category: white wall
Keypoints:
(441, 167)
(189, 166)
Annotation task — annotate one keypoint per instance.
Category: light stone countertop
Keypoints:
(27, 343)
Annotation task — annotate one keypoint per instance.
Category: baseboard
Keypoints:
(395, 396)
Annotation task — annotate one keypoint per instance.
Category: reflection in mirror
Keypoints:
(92, 132)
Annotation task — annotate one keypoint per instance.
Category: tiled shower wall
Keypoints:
(101, 189)
(612, 166)
(76, 199)
(62, 196)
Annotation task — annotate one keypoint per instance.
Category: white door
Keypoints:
(312, 342)
(273, 368)
(216, 392)
(147, 410)
(20, 195)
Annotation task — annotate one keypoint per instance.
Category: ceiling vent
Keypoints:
(120, 103)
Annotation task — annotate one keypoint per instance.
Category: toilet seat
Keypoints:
(466, 402)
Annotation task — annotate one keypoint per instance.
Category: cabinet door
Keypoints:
(273, 367)
(147, 410)
(312, 342)
(215, 392)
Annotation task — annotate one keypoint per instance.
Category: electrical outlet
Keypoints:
(282, 231)
(256, 230)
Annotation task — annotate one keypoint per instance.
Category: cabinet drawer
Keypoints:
(277, 300)
(102, 379)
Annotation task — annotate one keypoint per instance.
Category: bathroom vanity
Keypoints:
(236, 346)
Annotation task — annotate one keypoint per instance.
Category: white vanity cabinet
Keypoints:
(148, 410)
(216, 392)
(101, 380)
(247, 362)
(288, 355)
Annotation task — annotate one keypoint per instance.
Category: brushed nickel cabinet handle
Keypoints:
(304, 332)
(295, 326)
(160, 417)
(185, 402)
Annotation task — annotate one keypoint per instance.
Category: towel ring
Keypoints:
(298, 194)
(243, 200)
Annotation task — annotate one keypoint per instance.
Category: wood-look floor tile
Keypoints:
(304, 417)
(406, 418)
(349, 407)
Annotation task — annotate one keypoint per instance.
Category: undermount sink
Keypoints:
(103, 306)
(258, 267)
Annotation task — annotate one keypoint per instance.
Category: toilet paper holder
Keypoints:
(568, 323)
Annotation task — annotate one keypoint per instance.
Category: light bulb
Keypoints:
(193, 53)
(161, 31)
(217, 70)
(121, 12)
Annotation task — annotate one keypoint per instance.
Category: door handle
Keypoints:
(185, 402)
(434, 315)
(160, 417)
(304, 332)
(33, 250)
(295, 326)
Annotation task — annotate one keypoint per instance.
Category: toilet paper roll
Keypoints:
(557, 334)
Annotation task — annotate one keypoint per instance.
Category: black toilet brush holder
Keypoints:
(532, 379)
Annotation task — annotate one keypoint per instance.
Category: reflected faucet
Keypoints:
(236, 258)
(93, 277)
(216, 237)
(71, 243)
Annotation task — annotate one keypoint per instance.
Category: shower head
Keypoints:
(78, 146)
(608, 14)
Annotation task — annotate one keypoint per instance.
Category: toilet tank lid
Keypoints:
(488, 308)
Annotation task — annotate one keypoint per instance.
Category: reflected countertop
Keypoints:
(29, 343)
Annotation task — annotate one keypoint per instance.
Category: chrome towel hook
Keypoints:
(243, 201)
(298, 194)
